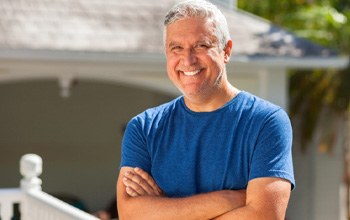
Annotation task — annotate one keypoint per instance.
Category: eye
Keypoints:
(202, 46)
(175, 48)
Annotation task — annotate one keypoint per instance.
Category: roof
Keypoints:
(132, 27)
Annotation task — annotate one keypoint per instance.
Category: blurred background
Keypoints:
(318, 106)
(73, 73)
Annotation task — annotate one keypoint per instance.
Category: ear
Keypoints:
(227, 51)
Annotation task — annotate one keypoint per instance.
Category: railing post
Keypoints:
(31, 166)
(6, 210)
(34, 204)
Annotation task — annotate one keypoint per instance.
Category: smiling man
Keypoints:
(214, 153)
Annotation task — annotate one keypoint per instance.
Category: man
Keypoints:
(213, 153)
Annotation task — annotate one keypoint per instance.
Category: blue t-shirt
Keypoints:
(190, 152)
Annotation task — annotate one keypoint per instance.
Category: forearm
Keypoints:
(267, 199)
(139, 197)
(244, 213)
(202, 206)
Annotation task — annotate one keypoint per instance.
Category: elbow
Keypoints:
(269, 216)
(265, 214)
(127, 211)
(130, 216)
(125, 214)
(122, 215)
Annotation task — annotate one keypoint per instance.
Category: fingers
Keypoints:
(131, 192)
(133, 188)
(150, 181)
(139, 183)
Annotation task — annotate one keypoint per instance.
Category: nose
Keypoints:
(189, 58)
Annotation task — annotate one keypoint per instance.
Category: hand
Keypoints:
(140, 183)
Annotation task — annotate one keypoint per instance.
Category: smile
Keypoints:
(192, 73)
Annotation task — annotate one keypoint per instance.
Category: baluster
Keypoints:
(23, 209)
(6, 210)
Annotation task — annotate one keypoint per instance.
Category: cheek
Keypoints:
(170, 69)
(172, 62)
(216, 60)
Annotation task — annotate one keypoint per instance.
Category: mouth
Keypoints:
(190, 73)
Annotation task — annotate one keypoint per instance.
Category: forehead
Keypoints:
(191, 29)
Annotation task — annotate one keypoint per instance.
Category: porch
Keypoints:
(29, 202)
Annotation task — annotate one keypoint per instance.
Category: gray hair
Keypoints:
(202, 9)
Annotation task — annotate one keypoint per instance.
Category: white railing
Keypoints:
(34, 204)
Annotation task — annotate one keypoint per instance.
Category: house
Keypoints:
(72, 73)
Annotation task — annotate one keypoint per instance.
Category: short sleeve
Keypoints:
(272, 156)
(134, 146)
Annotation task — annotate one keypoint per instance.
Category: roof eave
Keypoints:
(78, 56)
(335, 62)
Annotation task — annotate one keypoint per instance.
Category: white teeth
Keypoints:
(191, 73)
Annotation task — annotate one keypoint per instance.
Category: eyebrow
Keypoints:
(173, 43)
(206, 41)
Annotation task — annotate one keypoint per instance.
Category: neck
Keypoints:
(212, 102)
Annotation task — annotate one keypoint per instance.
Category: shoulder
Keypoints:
(160, 111)
(261, 108)
(260, 113)
(254, 102)
(272, 123)
(154, 115)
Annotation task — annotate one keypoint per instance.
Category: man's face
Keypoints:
(195, 64)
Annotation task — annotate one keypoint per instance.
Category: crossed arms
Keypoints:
(139, 197)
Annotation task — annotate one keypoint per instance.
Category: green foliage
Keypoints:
(271, 10)
(321, 24)
(326, 22)
(312, 91)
